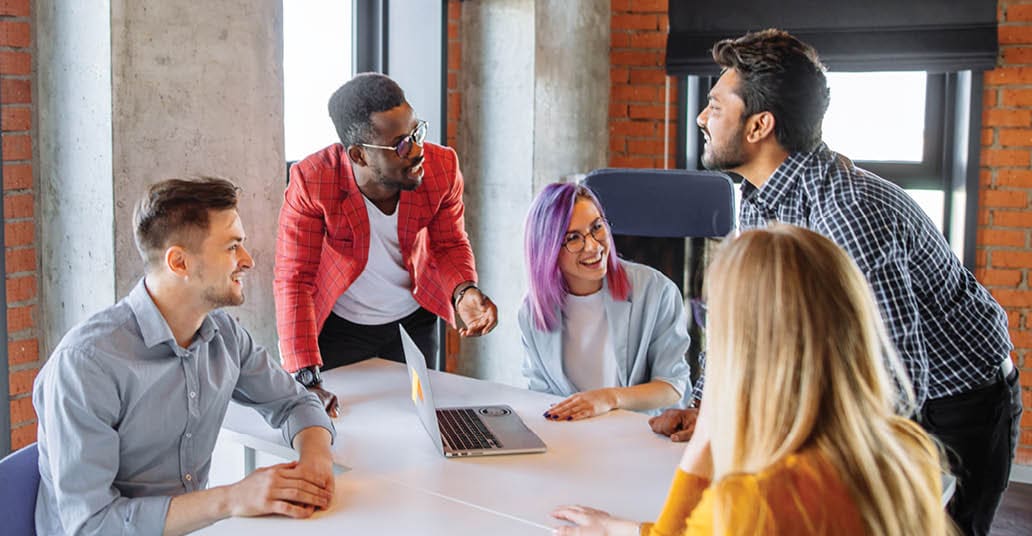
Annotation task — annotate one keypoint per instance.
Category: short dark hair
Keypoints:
(784, 76)
(175, 211)
(353, 105)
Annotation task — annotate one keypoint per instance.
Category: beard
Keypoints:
(402, 183)
(222, 298)
(729, 156)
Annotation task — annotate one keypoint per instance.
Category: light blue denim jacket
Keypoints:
(649, 332)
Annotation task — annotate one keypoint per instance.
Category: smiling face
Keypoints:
(722, 125)
(584, 271)
(221, 261)
(389, 170)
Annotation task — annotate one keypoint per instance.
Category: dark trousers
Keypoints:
(343, 343)
(980, 430)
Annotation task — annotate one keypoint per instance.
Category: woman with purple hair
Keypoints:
(603, 332)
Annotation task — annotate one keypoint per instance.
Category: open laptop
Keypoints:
(465, 431)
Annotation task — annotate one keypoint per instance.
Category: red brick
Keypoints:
(454, 56)
(18, 206)
(1005, 157)
(646, 147)
(634, 22)
(617, 110)
(1010, 218)
(16, 91)
(658, 76)
(1017, 98)
(981, 257)
(454, 106)
(454, 9)
(636, 57)
(22, 233)
(1004, 198)
(16, 63)
(1017, 55)
(453, 81)
(988, 134)
(17, 147)
(16, 118)
(983, 217)
(17, 176)
(989, 98)
(19, 318)
(648, 6)
(453, 31)
(999, 117)
(1021, 12)
(648, 40)
(618, 6)
(23, 351)
(618, 75)
(15, 8)
(21, 381)
(1013, 319)
(647, 111)
(632, 93)
(20, 259)
(631, 162)
(21, 411)
(633, 128)
(15, 34)
(1018, 178)
(23, 436)
(999, 237)
(1014, 298)
(21, 288)
(1011, 259)
(620, 40)
(1014, 35)
(1016, 137)
(1008, 75)
(617, 144)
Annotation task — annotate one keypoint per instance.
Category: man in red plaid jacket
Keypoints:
(371, 236)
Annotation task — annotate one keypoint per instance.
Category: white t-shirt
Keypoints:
(383, 291)
(589, 359)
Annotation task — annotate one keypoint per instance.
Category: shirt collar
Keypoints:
(153, 328)
(785, 178)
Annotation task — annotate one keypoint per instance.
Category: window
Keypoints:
(317, 56)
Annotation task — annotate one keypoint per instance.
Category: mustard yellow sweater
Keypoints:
(799, 495)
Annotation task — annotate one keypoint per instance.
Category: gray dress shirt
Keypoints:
(128, 418)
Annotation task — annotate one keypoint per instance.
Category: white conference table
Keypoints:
(396, 480)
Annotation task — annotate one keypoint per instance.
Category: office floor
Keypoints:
(1014, 518)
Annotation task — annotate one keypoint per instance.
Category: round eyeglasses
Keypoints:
(575, 242)
(404, 147)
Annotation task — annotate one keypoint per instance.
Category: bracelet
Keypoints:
(463, 293)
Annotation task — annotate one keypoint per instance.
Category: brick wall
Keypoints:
(641, 112)
(1005, 219)
(16, 117)
(452, 341)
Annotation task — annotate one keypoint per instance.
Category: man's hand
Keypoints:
(679, 424)
(284, 489)
(328, 399)
(592, 522)
(477, 312)
(583, 405)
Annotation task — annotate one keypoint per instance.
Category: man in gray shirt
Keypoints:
(131, 401)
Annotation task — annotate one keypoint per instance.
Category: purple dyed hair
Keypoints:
(545, 229)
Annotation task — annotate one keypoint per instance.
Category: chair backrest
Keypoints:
(19, 483)
(674, 203)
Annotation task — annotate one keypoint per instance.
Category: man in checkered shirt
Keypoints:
(372, 237)
(763, 122)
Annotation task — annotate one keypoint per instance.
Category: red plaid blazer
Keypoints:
(323, 244)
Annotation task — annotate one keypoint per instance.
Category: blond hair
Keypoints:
(798, 358)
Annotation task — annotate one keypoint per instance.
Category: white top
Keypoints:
(589, 358)
(383, 291)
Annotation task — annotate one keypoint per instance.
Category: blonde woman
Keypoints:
(799, 431)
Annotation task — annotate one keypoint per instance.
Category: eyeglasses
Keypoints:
(575, 242)
(404, 147)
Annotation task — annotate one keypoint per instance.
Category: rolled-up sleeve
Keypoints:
(79, 414)
(670, 340)
(270, 390)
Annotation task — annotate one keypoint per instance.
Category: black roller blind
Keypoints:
(849, 35)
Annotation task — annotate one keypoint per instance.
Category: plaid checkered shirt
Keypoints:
(950, 333)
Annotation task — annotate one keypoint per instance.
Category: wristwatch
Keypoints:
(308, 376)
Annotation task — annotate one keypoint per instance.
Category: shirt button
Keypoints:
(189, 435)
(188, 477)
(193, 394)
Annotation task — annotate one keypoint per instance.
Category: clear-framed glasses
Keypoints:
(574, 242)
(404, 147)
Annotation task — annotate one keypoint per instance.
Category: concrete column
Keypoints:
(194, 89)
(535, 91)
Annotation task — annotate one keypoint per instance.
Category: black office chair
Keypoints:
(652, 211)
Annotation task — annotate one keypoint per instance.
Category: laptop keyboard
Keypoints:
(462, 429)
